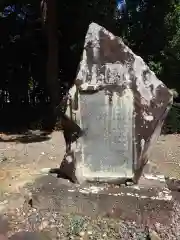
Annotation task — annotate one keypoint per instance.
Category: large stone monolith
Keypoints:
(121, 109)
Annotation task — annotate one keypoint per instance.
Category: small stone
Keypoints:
(43, 225)
(53, 226)
(157, 225)
(45, 170)
(81, 234)
(153, 235)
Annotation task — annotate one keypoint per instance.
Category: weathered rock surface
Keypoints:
(122, 107)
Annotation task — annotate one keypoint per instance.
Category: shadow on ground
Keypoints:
(23, 235)
(26, 236)
(4, 225)
(27, 137)
(98, 200)
(20, 119)
(61, 201)
(29, 236)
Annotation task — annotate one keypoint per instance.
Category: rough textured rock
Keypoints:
(121, 110)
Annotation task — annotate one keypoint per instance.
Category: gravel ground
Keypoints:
(165, 159)
(57, 226)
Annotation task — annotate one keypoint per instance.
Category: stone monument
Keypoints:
(118, 107)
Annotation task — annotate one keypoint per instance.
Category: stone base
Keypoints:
(147, 203)
(76, 172)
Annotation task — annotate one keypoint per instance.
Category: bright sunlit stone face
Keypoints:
(107, 143)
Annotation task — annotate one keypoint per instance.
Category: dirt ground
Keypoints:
(22, 161)
(165, 157)
(22, 158)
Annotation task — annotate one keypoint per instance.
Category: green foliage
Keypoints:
(156, 67)
(150, 28)
(154, 34)
(76, 225)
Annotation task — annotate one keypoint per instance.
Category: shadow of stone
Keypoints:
(71, 130)
(29, 236)
(60, 174)
(71, 133)
(28, 137)
(100, 200)
(4, 225)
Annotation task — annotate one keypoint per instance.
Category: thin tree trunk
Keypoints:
(52, 61)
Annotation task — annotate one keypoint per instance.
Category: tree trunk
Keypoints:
(52, 61)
